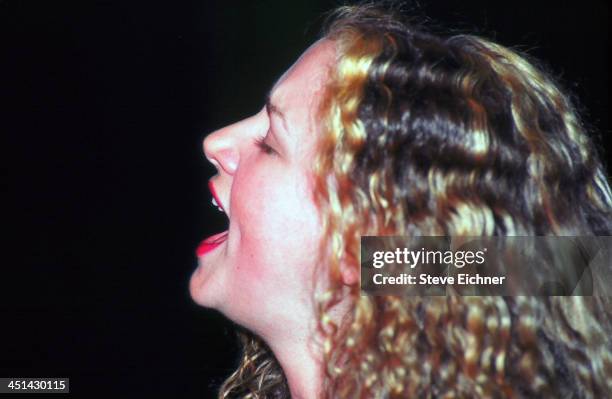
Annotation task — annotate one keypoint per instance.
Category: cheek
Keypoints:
(279, 231)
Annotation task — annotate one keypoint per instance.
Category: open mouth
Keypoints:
(212, 242)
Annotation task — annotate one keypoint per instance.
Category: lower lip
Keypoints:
(211, 243)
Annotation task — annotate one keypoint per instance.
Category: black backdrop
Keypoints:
(105, 105)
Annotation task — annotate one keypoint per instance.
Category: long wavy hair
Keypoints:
(432, 135)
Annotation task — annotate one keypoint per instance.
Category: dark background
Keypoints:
(104, 108)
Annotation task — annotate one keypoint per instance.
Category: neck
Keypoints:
(299, 349)
(301, 362)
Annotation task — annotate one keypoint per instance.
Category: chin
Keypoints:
(198, 290)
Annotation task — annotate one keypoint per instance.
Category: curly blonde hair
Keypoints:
(455, 136)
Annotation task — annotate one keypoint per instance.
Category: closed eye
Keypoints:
(263, 146)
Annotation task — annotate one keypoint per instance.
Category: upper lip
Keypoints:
(211, 187)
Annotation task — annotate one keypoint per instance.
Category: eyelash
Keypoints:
(265, 148)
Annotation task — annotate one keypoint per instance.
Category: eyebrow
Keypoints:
(273, 109)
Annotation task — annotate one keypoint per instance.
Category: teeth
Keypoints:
(214, 202)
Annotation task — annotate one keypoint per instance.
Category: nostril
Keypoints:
(214, 162)
(226, 160)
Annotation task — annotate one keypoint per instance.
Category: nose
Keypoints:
(224, 147)
(221, 150)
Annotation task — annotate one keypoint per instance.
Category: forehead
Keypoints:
(305, 78)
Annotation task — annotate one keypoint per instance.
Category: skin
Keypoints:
(263, 275)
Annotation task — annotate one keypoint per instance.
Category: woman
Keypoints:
(381, 128)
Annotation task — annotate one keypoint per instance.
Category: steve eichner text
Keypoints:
(427, 279)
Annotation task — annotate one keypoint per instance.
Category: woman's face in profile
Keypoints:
(261, 274)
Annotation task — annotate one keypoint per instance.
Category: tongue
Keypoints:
(211, 243)
(217, 238)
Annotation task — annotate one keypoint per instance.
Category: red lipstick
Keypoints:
(211, 243)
